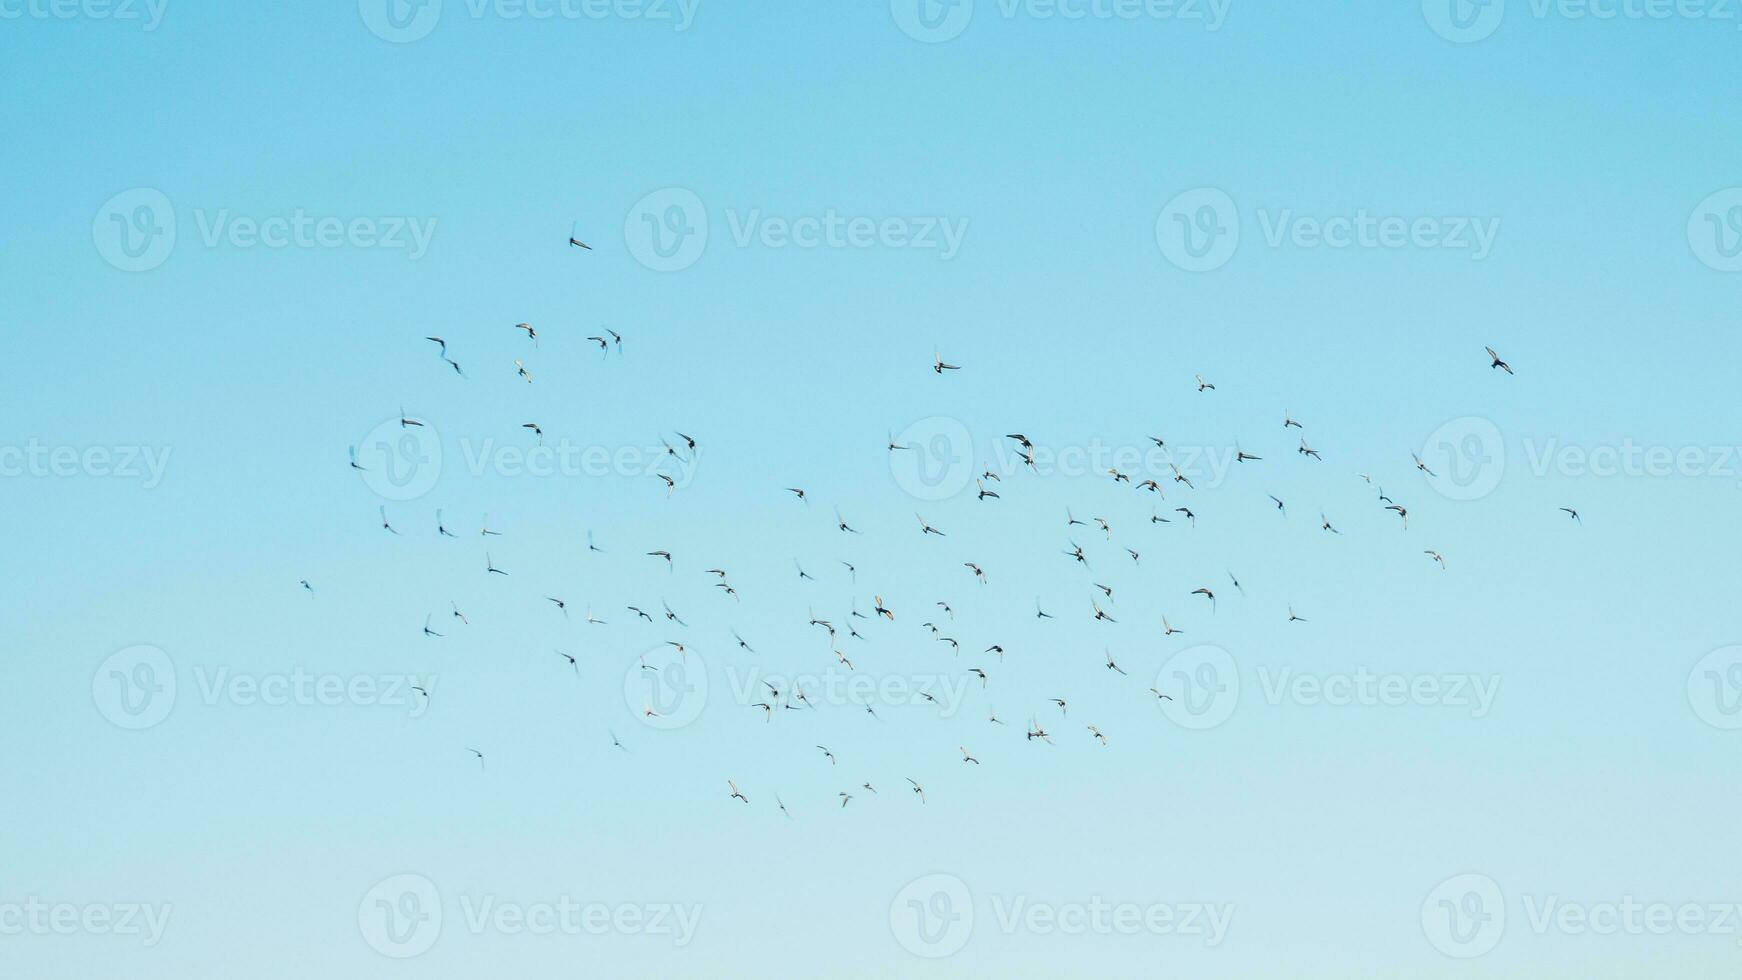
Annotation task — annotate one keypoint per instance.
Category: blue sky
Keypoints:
(1536, 736)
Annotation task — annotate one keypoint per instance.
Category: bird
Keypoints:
(1206, 593)
(845, 798)
(1436, 556)
(880, 609)
(307, 587)
(531, 334)
(427, 631)
(797, 493)
(1061, 703)
(1288, 420)
(1241, 456)
(520, 369)
(1421, 465)
(405, 421)
(925, 528)
(978, 573)
(917, 789)
(1573, 514)
(1097, 733)
(354, 464)
(1040, 613)
(1306, 450)
(1280, 506)
(828, 755)
(977, 672)
(535, 431)
(1325, 524)
(735, 794)
(1293, 618)
(1496, 362)
(939, 366)
(490, 566)
(1204, 385)
(442, 528)
(966, 757)
(573, 663)
(1167, 628)
(614, 742)
(480, 756)
(439, 342)
(1401, 513)
(662, 553)
(459, 615)
(577, 243)
(385, 525)
(841, 523)
(1113, 666)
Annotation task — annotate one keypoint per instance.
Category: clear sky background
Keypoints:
(1602, 770)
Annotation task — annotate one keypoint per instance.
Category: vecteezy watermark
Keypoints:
(401, 462)
(402, 917)
(936, 458)
(933, 916)
(1715, 688)
(1465, 458)
(666, 686)
(1715, 229)
(136, 688)
(668, 230)
(37, 917)
(1202, 686)
(936, 21)
(135, 231)
(404, 21)
(146, 13)
(1468, 21)
(1465, 916)
(36, 459)
(1199, 230)
(839, 687)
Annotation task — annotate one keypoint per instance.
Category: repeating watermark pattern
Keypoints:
(1199, 230)
(1465, 458)
(135, 231)
(1715, 688)
(148, 14)
(35, 916)
(936, 21)
(1466, 916)
(841, 688)
(1469, 21)
(934, 916)
(404, 21)
(936, 458)
(666, 687)
(1715, 230)
(402, 917)
(1203, 685)
(668, 230)
(38, 460)
(137, 687)
(402, 462)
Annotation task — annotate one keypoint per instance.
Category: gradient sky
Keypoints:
(1591, 146)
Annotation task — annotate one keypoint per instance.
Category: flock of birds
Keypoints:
(987, 487)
